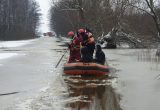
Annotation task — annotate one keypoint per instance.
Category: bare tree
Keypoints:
(139, 17)
(19, 19)
(148, 7)
(154, 15)
(94, 14)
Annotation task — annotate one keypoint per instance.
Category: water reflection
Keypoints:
(92, 92)
(148, 55)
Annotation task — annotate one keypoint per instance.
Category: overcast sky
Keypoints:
(44, 6)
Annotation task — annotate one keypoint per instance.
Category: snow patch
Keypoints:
(6, 44)
(25, 105)
(7, 55)
(44, 89)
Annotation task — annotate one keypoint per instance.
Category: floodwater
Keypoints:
(138, 78)
(95, 93)
(133, 84)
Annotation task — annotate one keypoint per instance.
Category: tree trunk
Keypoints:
(155, 17)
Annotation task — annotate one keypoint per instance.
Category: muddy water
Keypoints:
(94, 93)
(133, 84)
(78, 93)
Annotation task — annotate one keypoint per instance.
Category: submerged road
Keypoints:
(30, 81)
(25, 74)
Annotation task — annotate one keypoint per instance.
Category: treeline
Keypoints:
(101, 16)
(18, 19)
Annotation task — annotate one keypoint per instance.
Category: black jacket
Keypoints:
(86, 55)
(100, 56)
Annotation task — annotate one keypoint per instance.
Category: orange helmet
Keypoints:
(81, 31)
(70, 34)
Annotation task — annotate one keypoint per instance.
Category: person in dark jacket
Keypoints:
(99, 56)
(86, 56)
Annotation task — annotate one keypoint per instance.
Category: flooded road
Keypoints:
(27, 73)
(95, 93)
(79, 93)
(138, 78)
(133, 83)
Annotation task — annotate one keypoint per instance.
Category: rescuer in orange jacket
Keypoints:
(88, 45)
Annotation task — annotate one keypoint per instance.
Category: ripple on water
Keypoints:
(77, 93)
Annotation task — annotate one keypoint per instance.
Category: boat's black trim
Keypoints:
(86, 68)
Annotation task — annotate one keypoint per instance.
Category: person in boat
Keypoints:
(74, 47)
(88, 44)
(86, 56)
(99, 55)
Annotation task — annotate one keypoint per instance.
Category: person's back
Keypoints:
(88, 41)
(74, 47)
(99, 56)
(86, 56)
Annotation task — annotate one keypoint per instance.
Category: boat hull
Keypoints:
(80, 68)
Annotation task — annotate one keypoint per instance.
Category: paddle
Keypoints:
(63, 55)
(61, 58)
(10, 93)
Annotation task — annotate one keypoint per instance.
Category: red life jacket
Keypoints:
(74, 50)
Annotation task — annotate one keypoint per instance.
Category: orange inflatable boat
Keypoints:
(80, 68)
